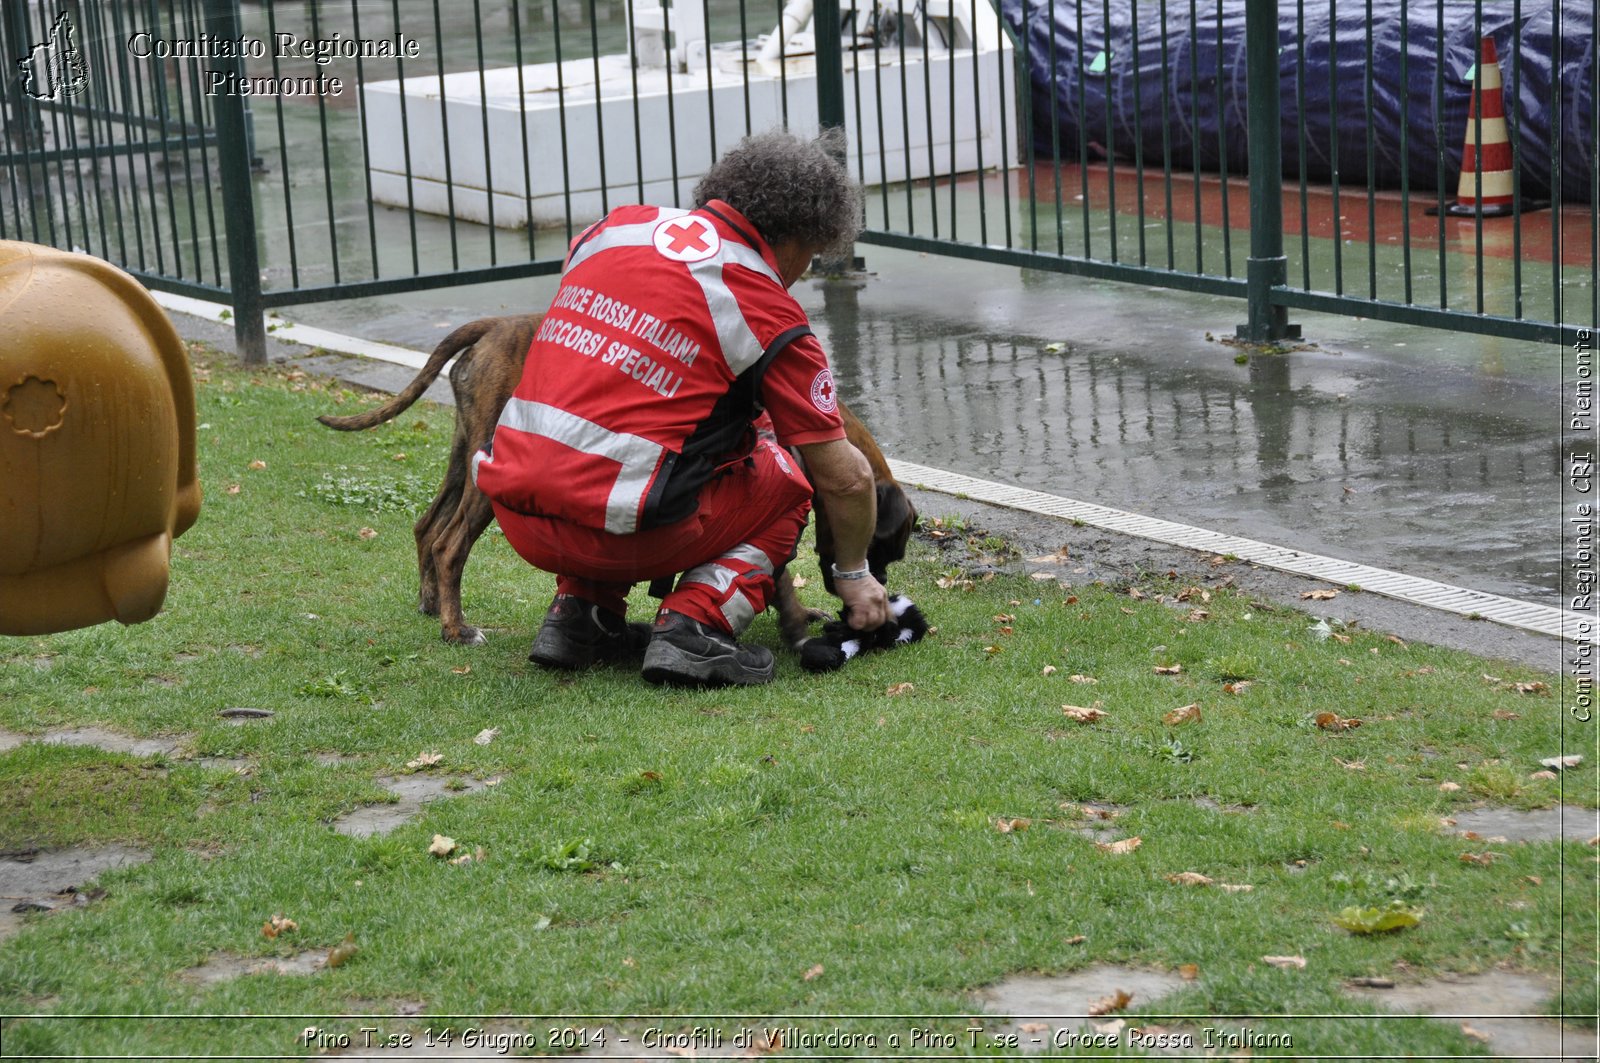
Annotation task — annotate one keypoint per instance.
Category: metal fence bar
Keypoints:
(1267, 267)
(238, 205)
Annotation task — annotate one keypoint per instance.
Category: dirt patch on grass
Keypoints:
(1562, 823)
(222, 967)
(1036, 1003)
(54, 879)
(1518, 1031)
(413, 792)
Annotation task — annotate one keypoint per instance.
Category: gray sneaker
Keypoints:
(685, 652)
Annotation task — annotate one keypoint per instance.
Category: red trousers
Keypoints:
(729, 551)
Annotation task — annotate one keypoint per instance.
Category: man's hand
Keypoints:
(843, 482)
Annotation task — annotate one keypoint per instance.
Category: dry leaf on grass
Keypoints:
(899, 688)
(367, 533)
(424, 760)
(1449, 787)
(1080, 714)
(1115, 1002)
(1076, 939)
(1506, 714)
(1183, 714)
(258, 465)
(1476, 1035)
(1048, 669)
(1332, 721)
(1318, 596)
(812, 973)
(278, 924)
(1562, 763)
(1351, 765)
(485, 736)
(1126, 845)
(1481, 859)
(442, 846)
(1169, 669)
(477, 856)
(1531, 688)
(1287, 963)
(1232, 887)
(1188, 972)
(1112, 1030)
(341, 953)
(1189, 878)
(1083, 678)
(1012, 826)
(1544, 775)
(1237, 688)
(465, 669)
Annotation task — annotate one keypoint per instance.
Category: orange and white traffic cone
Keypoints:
(1485, 186)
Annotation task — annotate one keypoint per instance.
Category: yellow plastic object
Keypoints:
(97, 469)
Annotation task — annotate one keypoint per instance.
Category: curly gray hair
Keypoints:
(790, 189)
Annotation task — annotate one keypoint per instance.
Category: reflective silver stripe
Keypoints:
(637, 455)
(637, 234)
(739, 612)
(751, 555)
(740, 348)
(478, 459)
(712, 575)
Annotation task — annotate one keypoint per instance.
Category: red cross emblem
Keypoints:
(822, 394)
(686, 239)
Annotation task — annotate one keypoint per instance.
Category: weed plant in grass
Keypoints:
(826, 844)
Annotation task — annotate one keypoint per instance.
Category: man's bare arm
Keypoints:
(843, 481)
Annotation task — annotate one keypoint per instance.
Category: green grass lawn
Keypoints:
(668, 852)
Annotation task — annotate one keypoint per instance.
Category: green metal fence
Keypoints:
(338, 149)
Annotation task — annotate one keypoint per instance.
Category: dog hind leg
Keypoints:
(450, 549)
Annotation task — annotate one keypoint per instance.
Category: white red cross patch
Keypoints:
(687, 239)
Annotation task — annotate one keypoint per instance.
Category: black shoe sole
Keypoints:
(694, 670)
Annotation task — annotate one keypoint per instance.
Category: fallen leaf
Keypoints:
(1286, 963)
(1112, 1030)
(1188, 972)
(1126, 610)
(1481, 859)
(1048, 669)
(1487, 678)
(1195, 616)
(1351, 765)
(1010, 826)
(992, 650)
(424, 760)
(1506, 714)
(485, 736)
(1079, 714)
(1343, 640)
(1189, 878)
(1169, 669)
(1535, 879)
(1544, 775)
(341, 953)
(1183, 714)
(1235, 887)
(1076, 939)
(1135, 593)
(465, 669)
(1332, 721)
(1476, 1035)
(1449, 787)
(1562, 763)
(258, 464)
(367, 533)
(1531, 688)
(1373, 983)
(1236, 688)
(1397, 640)
(899, 688)
(1083, 678)
(278, 924)
(1359, 920)
(1126, 845)
(442, 846)
(234, 489)
(812, 973)
(1115, 1002)
(1318, 596)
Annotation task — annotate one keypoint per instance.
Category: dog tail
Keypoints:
(460, 340)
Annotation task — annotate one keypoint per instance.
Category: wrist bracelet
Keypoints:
(856, 573)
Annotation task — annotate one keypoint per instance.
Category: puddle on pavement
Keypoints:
(1564, 822)
(414, 791)
(226, 966)
(1036, 1004)
(1500, 992)
(55, 878)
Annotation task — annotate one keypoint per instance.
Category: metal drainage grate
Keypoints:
(1543, 619)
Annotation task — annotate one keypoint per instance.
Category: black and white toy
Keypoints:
(839, 641)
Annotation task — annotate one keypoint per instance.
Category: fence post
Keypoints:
(1267, 265)
(238, 197)
(827, 31)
